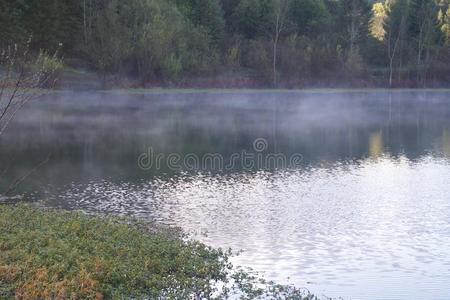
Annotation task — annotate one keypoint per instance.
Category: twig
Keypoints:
(18, 181)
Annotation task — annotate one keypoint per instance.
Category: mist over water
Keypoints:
(364, 215)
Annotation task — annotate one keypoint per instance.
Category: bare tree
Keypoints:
(23, 77)
(426, 14)
(355, 23)
(277, 27)
(353, 28)
(388, 24)
(392, 47)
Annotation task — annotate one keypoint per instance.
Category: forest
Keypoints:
(254, 43)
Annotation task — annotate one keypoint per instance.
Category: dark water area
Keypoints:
(344, 193)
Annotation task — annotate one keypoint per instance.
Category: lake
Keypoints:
(346, 194)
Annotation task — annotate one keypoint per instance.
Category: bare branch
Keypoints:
(18, 181)
(23, 80)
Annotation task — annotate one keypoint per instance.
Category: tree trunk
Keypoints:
(84, 22)
(275, 52)
(391, 71)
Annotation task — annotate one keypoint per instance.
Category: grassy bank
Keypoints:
(48, 254)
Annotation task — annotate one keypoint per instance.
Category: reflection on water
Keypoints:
(376, 144)
(365, 216)
(446, 142)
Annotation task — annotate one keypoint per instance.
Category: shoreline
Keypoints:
(51, 253)
(159, 91)
(265, 90)
(80, 79)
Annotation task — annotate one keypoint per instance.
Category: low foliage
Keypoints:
(62, 255)
(48, 254)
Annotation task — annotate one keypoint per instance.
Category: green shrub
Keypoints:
(49, 67)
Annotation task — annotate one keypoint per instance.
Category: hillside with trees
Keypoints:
(271, 43)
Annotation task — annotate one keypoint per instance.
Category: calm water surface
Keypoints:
(365, 214)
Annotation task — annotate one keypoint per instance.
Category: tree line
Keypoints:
(289, 43)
